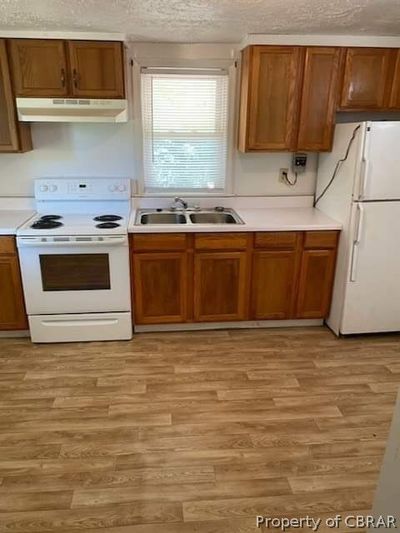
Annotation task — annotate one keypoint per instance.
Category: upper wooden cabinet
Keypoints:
(394, 102)
(14, 136)
(318, 100)
(97, 69)
(270, 85)
(288, 98)
(39, 67)
(55, 68)
(366, 79)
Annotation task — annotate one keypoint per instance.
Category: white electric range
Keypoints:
(74, 259)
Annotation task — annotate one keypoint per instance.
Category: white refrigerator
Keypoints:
(364, 194)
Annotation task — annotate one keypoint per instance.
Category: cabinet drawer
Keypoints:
(276, 240)
(158, 242)
(220, 241)
(320, 239)
(7, 245)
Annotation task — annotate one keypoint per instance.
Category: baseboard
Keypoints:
(16, 334)
(198, 326)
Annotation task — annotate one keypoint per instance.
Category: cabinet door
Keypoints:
(366, 78)
(97, 69)
(14, 137)
(318, 101)
(39, 67)
(220, 286)
(395, 90)
(270, 92)
(273, 284)
(12, 308)
(160, 287)
(315, 286)
(8, 121)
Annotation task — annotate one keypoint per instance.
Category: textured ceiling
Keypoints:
(203, 20)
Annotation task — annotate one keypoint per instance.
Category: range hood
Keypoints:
(71, 110)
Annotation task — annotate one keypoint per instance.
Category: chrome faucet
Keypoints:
(179, 202)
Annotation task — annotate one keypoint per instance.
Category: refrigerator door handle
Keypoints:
(364, 178)
(356, 242)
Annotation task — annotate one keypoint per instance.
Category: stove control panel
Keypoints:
(82, 189)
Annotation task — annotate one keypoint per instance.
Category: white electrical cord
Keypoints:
(287, 180)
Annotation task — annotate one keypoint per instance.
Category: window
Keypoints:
(185, 130)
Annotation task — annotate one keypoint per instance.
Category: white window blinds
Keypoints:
(185, 130)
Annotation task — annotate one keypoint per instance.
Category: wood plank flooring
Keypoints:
(192, 432)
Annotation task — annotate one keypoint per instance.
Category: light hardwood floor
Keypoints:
(192, 432)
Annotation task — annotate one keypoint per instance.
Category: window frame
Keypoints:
(231, 69)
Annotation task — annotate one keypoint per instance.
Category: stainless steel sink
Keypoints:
(187, 216)
(213, 218)
(162, 218)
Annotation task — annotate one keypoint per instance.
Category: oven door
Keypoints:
(75, 274)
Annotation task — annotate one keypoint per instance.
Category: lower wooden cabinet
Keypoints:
(273, 284)
(232, 276)
(12, 307)
(160, 287)
(220, 286)
(315, 284)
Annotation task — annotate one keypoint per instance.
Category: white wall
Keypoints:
(256, 174)
(92, 150)
(109, 149)
(99, 150)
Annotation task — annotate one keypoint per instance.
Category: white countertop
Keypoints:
(255, 219)
(12, 219)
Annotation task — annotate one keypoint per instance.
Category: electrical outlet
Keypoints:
(283, 172)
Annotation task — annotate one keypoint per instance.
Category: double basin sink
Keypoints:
(198, 216)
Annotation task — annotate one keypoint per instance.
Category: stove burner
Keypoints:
(46, 224)
(50, 217)
(107, 225)
(107, 218)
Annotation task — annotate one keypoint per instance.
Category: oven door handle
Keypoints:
(76, 242)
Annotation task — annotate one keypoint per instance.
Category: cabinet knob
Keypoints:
(63, 77)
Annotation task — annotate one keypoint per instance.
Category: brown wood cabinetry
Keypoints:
(160, 287)
(56, 68)
(366, 79)
(270, 85)
(318, 100)
(14, 136)
(273, 282)
(220, 286)
(394, 102)
(315, 285)
(288, 98)
(160, 278)
(218, 277)
(97, 69)
(274, 275)
(316, 274)
(39, 67)
(290, 94)
(12, 307)
(220, 283)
